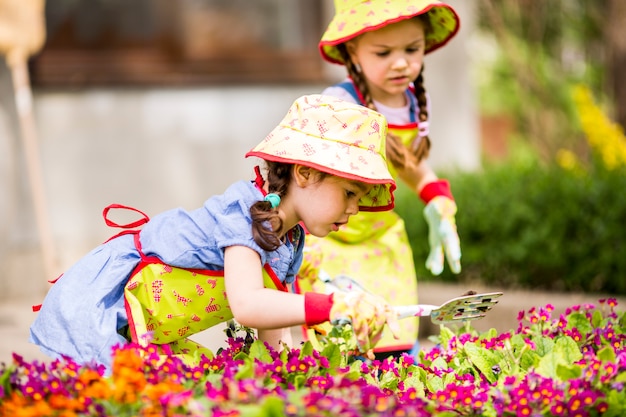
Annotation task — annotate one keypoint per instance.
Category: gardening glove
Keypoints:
(368, 315)
(442, 235)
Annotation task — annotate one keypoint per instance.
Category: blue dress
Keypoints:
(83, 311)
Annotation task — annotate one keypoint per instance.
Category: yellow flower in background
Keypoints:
(570, 162)
(605, 137)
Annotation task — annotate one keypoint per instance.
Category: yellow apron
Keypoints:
(167, 304)
(373, 249)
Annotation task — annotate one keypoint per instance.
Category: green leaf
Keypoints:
(568, 372)
(246, 370)
(606, 354)
(241, 356)
(448, 379)
(565, 352)
(518, 346)
(273, 406)
(434, 384)
(580, 322)
(332, 352)
(299, 380)
(617, 404)
(5, 378)
(416, 382)
(529, 359)
(389, 380)
(260, 352)
(284, 354)
(492, 333)
(214, 379)
(543, 345)
(622, 322)
(250, 410)
(621, 377)
(306, 350)
(597, 319)
(421, 375)
(445, 335)
(482, 359)
(567, 349)
(439, 363)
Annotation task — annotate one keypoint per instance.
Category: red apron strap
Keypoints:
(143, 220)
(137, 223)
(259, 181)
(138, 245)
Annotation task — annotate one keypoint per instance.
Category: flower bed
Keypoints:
(572, 365)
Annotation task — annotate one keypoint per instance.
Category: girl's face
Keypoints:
(325, 204)
(390, 58)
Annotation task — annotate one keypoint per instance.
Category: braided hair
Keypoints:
(279, 176)
(262, 212)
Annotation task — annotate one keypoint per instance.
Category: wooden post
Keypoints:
(22, 33)
(24, 103)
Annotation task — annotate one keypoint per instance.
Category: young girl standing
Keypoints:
(382, 44)
(325, 161)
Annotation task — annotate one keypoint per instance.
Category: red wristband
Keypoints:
(434, 189)
(317, 307)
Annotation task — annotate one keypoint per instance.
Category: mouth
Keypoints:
(336, 226)
(399, 79)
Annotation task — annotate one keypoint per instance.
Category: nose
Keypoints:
(353, 207)
(400, 63)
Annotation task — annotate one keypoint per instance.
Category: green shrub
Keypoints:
(525, 224)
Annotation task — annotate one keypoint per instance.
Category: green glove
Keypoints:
(368, 315)
(442, 235)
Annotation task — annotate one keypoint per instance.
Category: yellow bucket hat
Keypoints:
(354, 17)
(336, 137)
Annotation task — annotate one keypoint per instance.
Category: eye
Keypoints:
(412, 50)
(382, 54)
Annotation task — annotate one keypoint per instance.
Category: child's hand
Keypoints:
(368, 314)
(442, 236)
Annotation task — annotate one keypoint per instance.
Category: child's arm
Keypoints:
(252, 304)
(417, 175)
(265, 309)
(275, 337)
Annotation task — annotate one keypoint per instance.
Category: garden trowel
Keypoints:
(460, 309)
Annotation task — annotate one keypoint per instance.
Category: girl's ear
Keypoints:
(351, 48)
(303, 175)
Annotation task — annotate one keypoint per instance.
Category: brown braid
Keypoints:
(421, 146)
(395, 150)
(262, 213)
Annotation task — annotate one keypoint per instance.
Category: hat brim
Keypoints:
(344, 27)
(335, 158)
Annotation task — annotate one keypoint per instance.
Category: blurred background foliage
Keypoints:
(550, 211)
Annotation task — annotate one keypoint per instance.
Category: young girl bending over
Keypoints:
(382, 44)
(325, 161)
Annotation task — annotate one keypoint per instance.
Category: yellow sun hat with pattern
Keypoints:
(338, 138)
(354, 17)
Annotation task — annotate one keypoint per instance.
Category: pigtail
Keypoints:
(420, 147)
(396, 152)
(262, 212)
